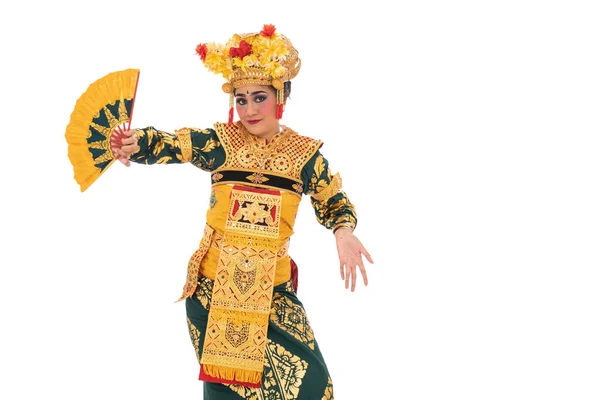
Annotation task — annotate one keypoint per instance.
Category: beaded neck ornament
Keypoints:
(265, 58)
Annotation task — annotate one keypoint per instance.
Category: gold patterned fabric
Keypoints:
(195, 260)
(330, 190)
(289, 162)
(160, 147)
(248, 328)
(185, 140)
(277, 164)
(290, 317)
(293, 366)
(332, 206)
(238, 320)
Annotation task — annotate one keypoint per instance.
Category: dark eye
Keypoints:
(260, 99)
(240, 101)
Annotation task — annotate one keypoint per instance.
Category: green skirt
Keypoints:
(294, 367)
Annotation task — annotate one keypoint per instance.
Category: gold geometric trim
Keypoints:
(348, 225)
(185, 144)
(251, 217)
(194, 264)
(238, 320)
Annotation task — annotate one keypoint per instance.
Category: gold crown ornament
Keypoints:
(264, 58)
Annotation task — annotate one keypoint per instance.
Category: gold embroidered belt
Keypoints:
(236, 331)
(211, 238)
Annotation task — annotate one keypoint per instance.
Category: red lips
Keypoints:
(254, 121)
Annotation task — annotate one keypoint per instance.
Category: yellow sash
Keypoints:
(238, 320)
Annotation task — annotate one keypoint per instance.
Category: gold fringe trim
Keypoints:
(233, 374)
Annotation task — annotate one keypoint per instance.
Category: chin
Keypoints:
(255, 130)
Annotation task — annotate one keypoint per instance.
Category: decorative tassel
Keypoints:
(230, 108)
(280, 101)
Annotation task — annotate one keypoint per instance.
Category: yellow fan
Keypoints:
(101, 116)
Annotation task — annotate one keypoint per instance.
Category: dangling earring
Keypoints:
(280, 104)
(228, 88)
(230, 109)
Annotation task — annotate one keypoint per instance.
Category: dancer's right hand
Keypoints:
(128, 147)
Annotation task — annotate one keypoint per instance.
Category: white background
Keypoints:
(466, 133)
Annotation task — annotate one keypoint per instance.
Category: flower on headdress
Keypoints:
(201, 51)
(266, 51)
(268, 30)
(242, 51)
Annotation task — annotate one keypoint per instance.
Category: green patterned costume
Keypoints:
(289, 165)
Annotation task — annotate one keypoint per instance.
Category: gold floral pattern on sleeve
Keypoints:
(210, 145)
(335, 212)
(320, 177)
(199, 146)
(332, 207)
(157, 147)
(330, 190)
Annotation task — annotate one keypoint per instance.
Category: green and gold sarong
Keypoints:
(293, 368)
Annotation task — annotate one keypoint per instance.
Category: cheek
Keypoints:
(268, 106)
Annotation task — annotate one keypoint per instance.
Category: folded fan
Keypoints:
(101, 116)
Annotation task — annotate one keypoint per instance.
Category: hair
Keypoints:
(287, 89)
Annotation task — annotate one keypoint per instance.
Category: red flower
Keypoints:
(268, 30)
(242, 51)
(201, 50)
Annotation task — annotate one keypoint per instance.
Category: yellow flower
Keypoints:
(268, 53)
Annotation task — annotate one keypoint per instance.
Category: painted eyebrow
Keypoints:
(251, 94)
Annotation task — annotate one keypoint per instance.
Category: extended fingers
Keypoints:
(347, 276)
(363, 272)
(348, 265)
(367, 255)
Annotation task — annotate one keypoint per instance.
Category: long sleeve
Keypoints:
(201, 147)
(332, 206)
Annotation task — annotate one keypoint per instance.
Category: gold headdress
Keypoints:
(264, 58)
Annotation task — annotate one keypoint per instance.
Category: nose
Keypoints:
(251, 109)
